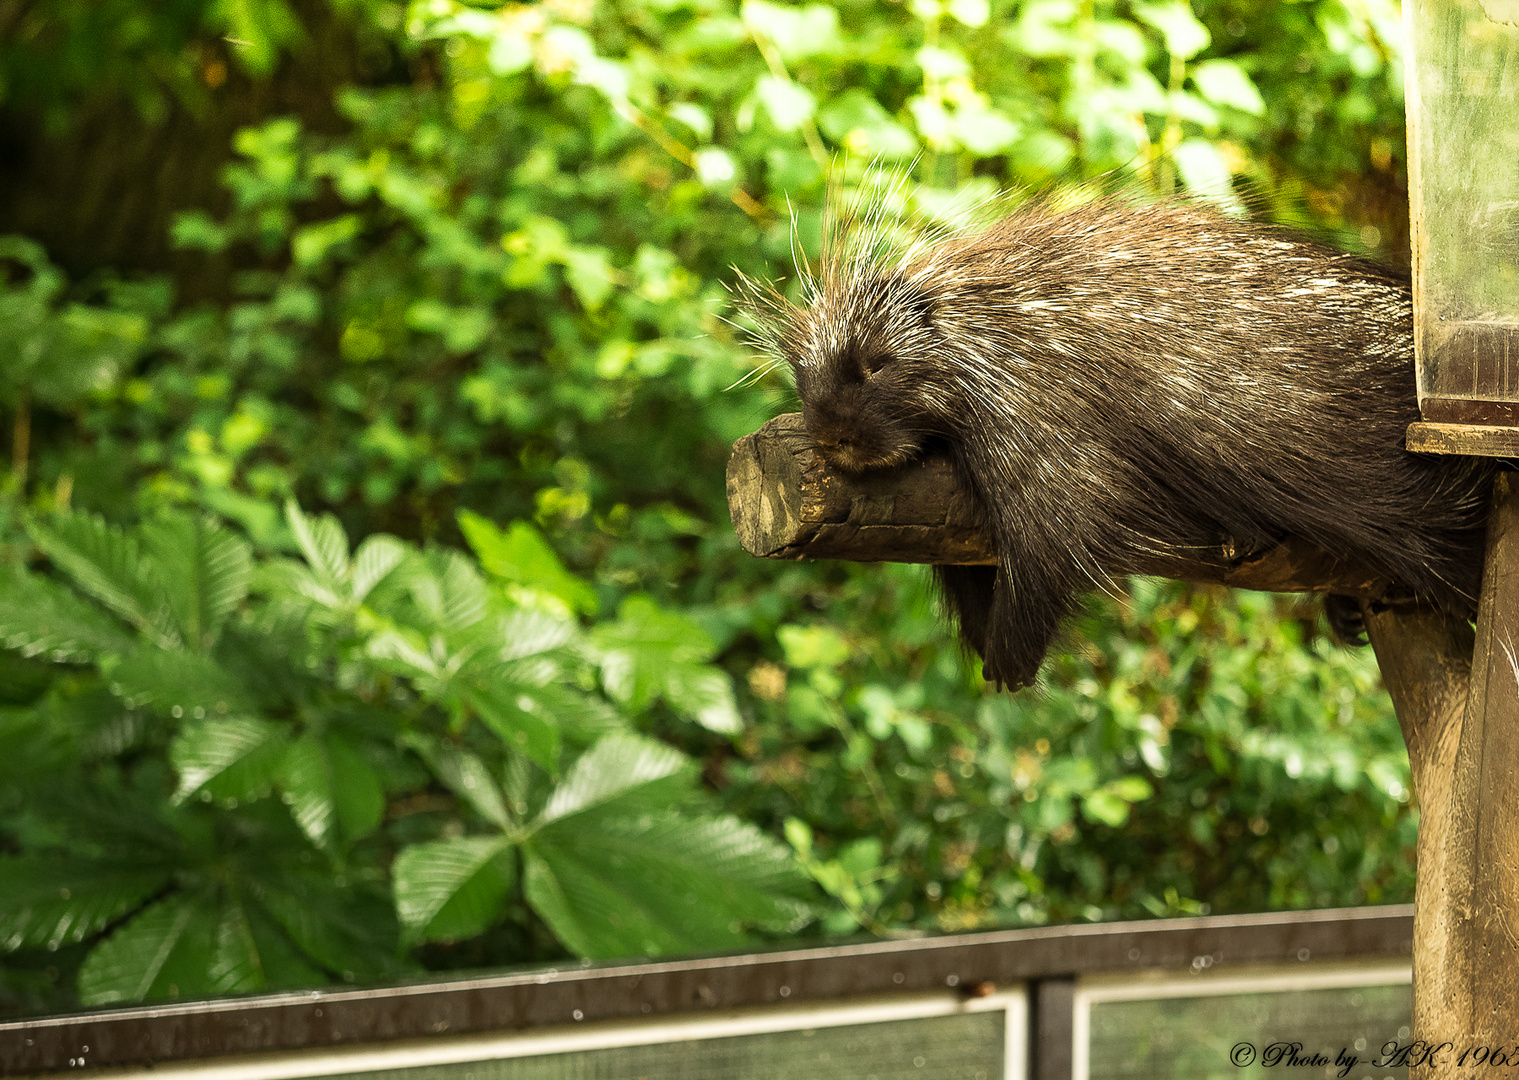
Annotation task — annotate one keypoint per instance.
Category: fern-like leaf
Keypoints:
(108, 564)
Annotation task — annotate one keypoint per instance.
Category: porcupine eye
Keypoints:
(874, 362)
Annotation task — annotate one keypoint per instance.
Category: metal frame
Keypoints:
(1044, 960)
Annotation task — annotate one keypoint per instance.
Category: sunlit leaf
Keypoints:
(615, 767)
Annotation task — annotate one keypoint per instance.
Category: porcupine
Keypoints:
(1114, 381)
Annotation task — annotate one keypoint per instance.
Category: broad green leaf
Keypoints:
(357, 791)
(52, 901)
(526, 633)
(282, 965)
(330, 789)
(204, 570)
(857, 120)
(706, 695)
(639, 649)
(789, 105)
(352, 936)
(985, 131)
(466, 776)
(263, 29)
(41, 618)
(305, 776)
(659, 883)
(372, 563)
(451, 889)
(448, 590)
(181, 684)
(813, 646)
(108, 564)
(164, 951)
(1206, 174)
(795, 31)
(231, 758)
(612, 769)
(235, 966)
(519, 717)
(1106, 807)
(1184, 36)
(520, 555)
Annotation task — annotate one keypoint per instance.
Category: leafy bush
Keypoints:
(345, 729)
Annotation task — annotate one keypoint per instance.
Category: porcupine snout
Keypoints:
(855, 432)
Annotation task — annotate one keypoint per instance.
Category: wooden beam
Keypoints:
(788, 504)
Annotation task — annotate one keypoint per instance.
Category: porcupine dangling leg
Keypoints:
(966, 592)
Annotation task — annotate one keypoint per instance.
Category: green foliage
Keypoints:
(298, 704)
(244, 747)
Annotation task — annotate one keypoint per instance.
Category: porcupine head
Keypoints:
(880, 374)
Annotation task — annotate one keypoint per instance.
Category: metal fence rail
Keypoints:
(1043, 963)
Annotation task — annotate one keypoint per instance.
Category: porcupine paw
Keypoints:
(1011, 677)
(1347, 624)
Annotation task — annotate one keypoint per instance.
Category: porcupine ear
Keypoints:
(967, 595)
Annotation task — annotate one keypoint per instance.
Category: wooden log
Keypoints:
(788, 504)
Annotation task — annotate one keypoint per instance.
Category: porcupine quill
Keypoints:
(1115, 381)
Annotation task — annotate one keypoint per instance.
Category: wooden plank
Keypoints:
(787, 503)
(1432, 438)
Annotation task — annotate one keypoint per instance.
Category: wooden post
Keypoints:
(1466, 937)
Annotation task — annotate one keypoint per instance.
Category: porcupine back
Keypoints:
(1117, 381)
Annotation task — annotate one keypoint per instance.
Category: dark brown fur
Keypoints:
(1116, 380)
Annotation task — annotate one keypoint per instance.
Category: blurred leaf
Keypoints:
(170, 680)
(520, 555)
(50, 901)
(109, 565)
(616, 767)
(205, 572)
(451, 889)
(659, 883)
(1185, 37)
(466, 776)
(39, 618)
(234, 758)
(1223, 82)
(164, 951)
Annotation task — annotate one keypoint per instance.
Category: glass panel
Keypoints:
(1191, 1038)
(965, 1046)
(1463, 98)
